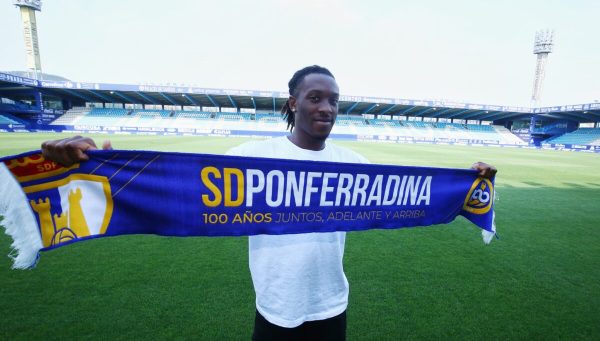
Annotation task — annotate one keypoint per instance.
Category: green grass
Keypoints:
(541, 280)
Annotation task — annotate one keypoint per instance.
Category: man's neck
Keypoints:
(310, 144)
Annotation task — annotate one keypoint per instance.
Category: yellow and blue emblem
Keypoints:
(480, 197)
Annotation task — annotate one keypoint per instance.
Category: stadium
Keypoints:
(30, 105)
(538, 280)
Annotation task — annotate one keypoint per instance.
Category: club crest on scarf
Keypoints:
(480, 197)
(75, 207)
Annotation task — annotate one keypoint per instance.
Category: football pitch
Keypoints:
(540, 280)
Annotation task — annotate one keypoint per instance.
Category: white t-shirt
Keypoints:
(298, 277)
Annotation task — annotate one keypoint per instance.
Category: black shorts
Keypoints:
(330, 329)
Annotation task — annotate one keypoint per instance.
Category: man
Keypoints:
(301, 289)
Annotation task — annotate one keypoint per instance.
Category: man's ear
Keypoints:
(292, 103)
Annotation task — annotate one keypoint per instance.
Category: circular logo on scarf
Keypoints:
(480, 197)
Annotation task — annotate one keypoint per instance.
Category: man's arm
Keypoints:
(71, 150)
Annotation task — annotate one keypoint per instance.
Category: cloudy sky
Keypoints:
(475, 51)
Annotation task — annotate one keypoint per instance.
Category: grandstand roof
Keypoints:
(21, 88)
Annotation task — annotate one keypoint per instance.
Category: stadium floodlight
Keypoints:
(542, 46)
(32, 49)
(544, 42)
(34, 4)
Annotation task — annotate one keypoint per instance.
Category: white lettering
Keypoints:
(360, 189)
(251, 188)
(309, 187)
(325, 188)
(279, 193)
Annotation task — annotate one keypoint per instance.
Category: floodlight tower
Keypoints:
(32, 49)
(542, 47)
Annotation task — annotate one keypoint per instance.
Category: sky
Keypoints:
(473, 51)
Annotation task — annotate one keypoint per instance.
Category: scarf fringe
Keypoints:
(487, 236)
(19, 222)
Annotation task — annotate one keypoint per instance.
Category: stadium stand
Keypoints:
(269, 122)
(350, 120)
(232, 116)
(447, 132)
(168, 119)
(581, 136)
(268, 118)
(7, 120)
(71, 117)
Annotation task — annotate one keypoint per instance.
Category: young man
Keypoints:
(301, 289)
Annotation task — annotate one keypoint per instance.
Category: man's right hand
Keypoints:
(71, 150)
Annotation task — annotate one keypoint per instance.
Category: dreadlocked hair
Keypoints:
(298, 77)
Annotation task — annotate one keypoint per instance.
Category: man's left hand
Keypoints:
(485, 170)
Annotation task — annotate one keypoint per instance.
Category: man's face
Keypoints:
(316, 107)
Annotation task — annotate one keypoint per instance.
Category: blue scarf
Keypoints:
(121, 192)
